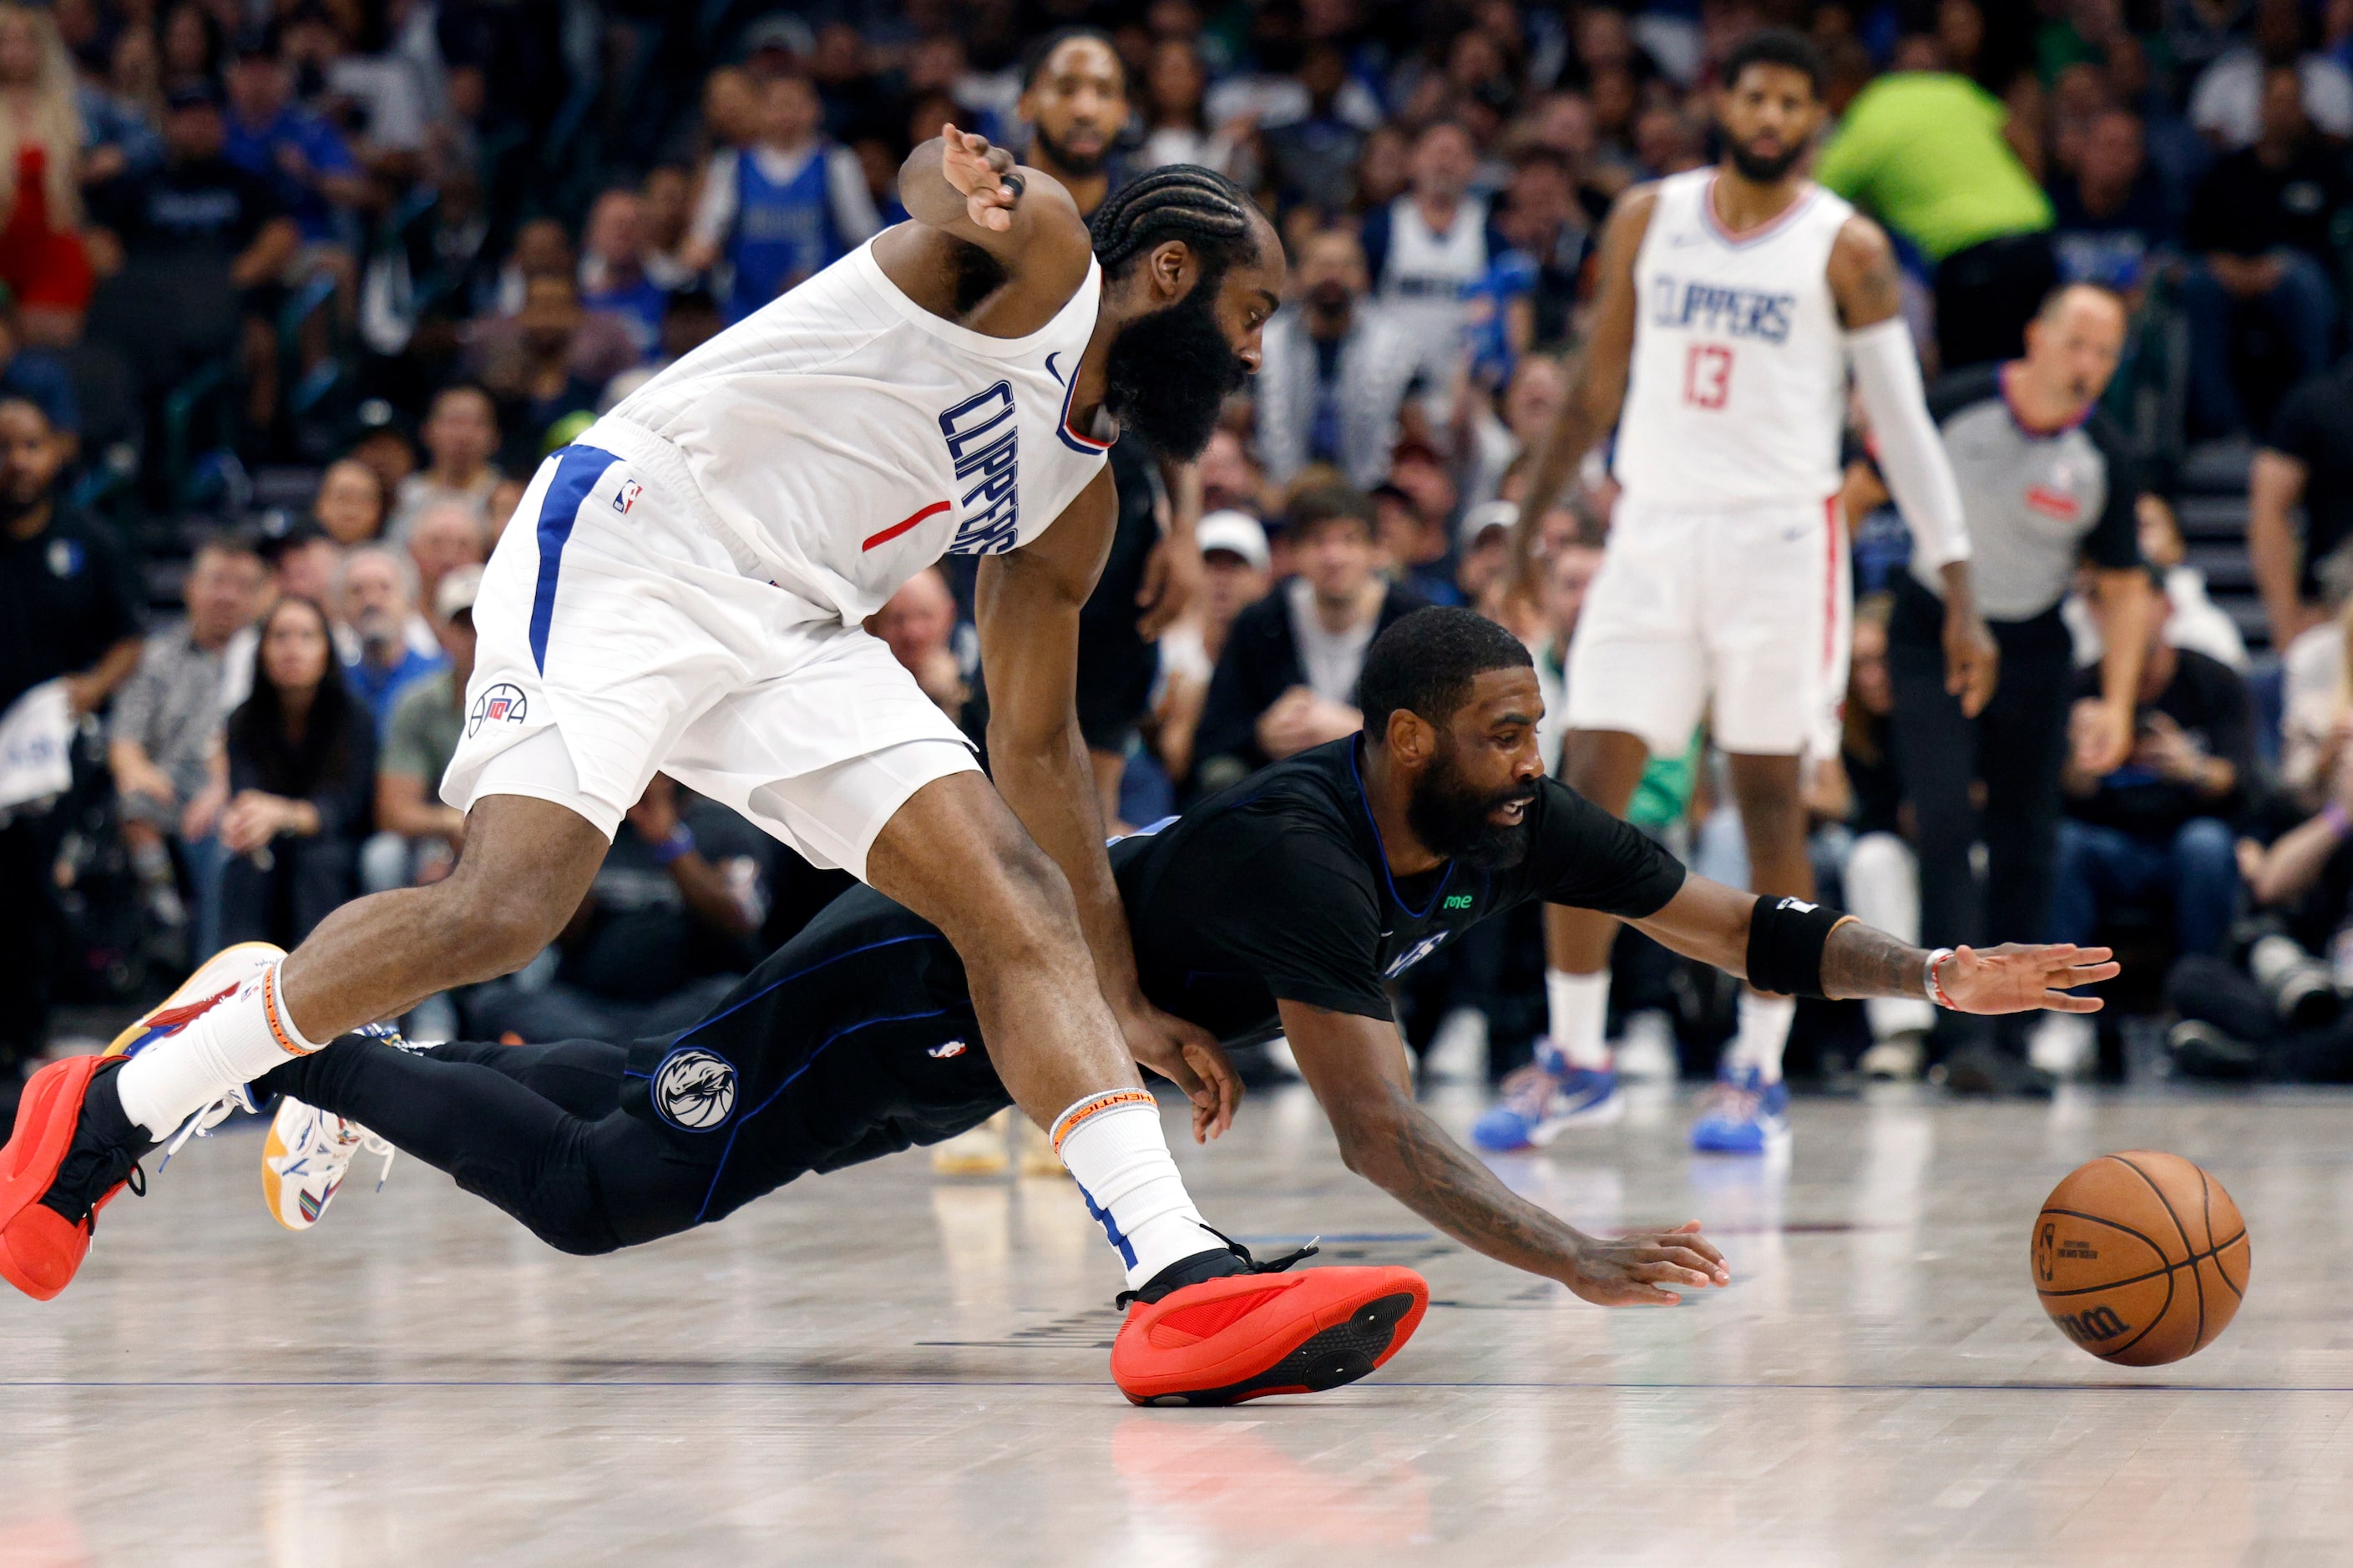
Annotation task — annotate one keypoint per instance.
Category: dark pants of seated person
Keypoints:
(1986, 295)
(854, 1040)
(2211, 991)
(2195, 872)
(307, 880)
(562, 1012)
(2302, 309)
(2014, 747)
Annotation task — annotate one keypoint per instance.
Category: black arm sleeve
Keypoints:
(1588, 859)
(2114, 543)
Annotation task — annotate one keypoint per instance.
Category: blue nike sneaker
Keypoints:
(1743, 1115)
(1543, 1100)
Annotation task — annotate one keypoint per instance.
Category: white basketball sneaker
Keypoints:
(309, 1151)
(307, 1156)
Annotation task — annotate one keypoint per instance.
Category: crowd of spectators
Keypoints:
(378, 256)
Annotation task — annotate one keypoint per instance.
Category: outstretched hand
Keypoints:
(1635, 1270)
(2018, 977)
(983, 174)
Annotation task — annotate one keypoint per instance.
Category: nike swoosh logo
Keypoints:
(1684, 240)
(1051, 371)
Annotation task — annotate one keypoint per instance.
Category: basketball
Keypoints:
(2140, 1257)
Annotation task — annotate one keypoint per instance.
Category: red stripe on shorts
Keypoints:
(896, 528)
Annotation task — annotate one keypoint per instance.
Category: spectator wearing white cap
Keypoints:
(1237, 567)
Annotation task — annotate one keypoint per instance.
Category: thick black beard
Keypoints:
(1169, 374)
(1080, 165)
(1761, 169)
(1450, 818)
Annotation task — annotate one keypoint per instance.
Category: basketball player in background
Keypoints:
(688, 597)
(1733, 302)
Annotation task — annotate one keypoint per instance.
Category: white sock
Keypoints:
(231, 1042)
(1115, 1149)
(1764, 1030)
(1577, 1010)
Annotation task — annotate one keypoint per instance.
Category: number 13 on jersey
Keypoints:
(1707, 375)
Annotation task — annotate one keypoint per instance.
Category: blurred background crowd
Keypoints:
(294, 295)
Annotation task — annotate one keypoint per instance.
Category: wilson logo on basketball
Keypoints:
(2094, 1326)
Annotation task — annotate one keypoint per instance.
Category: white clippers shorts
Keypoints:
(1751, 608)
(618, 637)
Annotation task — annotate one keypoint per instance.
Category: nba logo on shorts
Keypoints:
(694, 1089)
(941, 1053)
(627, 496)
(502, 704)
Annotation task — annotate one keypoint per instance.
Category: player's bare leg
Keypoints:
(1750, 1112)
(954, 855)
(1572, 1083)
(527, 863)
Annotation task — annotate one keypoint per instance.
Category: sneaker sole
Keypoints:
(207, 976)
(1374, 1328)
(37, 1258)
(1608, 1113)
(1766, 1143)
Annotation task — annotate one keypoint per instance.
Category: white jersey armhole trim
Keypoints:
(965, 338)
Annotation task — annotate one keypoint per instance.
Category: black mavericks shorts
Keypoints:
(854, 1040)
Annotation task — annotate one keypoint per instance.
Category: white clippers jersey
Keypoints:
(1737, 392)
(849, 438)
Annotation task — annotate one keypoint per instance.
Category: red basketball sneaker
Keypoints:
(1247, 1333)
(73, 1150)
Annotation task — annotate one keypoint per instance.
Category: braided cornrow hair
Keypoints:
(1178, 201)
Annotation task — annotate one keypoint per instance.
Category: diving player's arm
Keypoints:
(1866, 286)
(1590, 409)
(1791, 946)
(1357, 1066)
(1027, 605)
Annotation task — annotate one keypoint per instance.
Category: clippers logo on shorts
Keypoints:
(502, 704)
(981, 435)
(694, 1089)
(1737, 313)
(627, 496)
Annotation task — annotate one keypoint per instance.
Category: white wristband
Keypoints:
(1931, 984)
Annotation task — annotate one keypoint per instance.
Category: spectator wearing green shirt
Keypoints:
(1924, 153)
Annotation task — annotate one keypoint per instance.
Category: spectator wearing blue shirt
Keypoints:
(782, 209)
(379, 600)
(2109, 220)
(613, 276)
(304, 158)
(36, 375)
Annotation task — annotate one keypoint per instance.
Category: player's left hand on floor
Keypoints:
(1189, 1056)
(1641, 1270)
(2019, 977)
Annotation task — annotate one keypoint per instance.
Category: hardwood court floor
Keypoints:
(876, 1368)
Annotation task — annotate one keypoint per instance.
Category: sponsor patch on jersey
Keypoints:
(983, 440)
(627, 496)
(694, 1089)
(941, 1053)
(502, 704)
(2054, 503)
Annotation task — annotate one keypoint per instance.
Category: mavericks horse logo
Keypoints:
(694, 1089)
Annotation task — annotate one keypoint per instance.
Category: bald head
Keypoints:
(2072, 348)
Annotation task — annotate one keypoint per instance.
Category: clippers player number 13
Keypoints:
(1733, 302)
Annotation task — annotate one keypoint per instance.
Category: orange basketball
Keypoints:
(2140, 1257)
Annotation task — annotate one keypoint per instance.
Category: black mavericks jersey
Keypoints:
(1278, 890)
